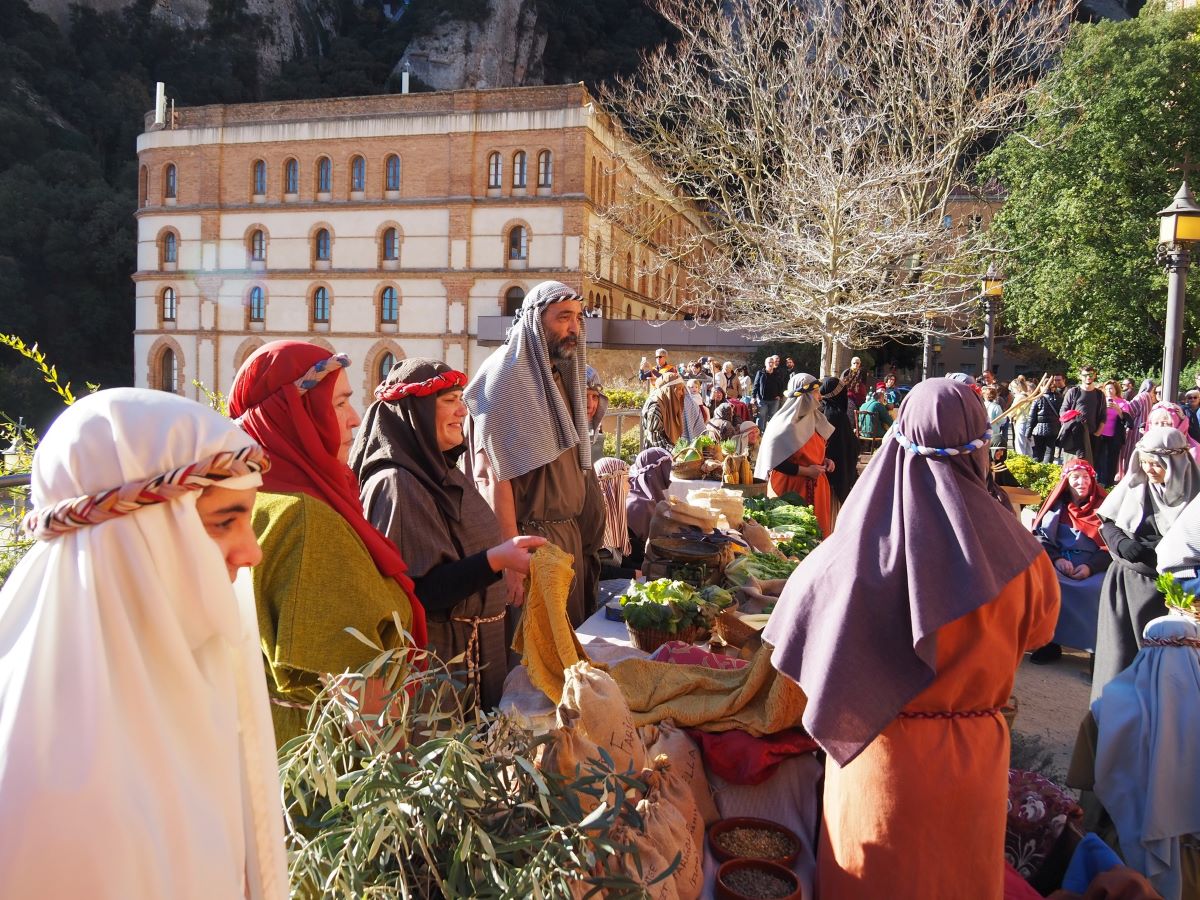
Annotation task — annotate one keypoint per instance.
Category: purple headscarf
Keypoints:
(922, 543)
(649, 478)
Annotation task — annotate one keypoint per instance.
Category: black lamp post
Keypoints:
(992, 291)
(1178, 229)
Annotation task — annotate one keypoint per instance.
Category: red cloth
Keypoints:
(301, 435)
(744, 759)
(1016, 887)
(1083, 516)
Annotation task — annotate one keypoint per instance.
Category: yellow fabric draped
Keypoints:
(545, 638)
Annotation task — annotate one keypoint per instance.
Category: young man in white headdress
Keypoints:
(529, 438)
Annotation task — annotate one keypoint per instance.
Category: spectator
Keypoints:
(696, 390)
(1112, 433)
(991, 405)
(1191, 406)
(661, 367)
(727, 380)
(873, 417)
(1041, 428)
(1020, 389)
(645, 370)
(1128, 391)
(1087, 399)
(791, 367)
(889, 389)
(855, 381)
(745, 388)
(769, 385)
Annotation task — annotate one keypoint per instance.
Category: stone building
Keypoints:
(385, 227)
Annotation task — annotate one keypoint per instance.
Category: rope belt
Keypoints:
(1171, 642)
(956, 714)
(536, 522)
(472, 652)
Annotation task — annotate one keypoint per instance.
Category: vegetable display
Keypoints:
(1174, 594)
(671, 606)
(787, 514)
(758, 567)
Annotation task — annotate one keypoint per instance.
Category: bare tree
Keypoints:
(813, 145)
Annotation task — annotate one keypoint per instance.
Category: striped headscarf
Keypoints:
(613, 474)
(516, 409)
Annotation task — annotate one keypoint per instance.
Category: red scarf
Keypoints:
(1083, 514)
(301, 435)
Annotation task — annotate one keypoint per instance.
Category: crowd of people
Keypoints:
(197, 579)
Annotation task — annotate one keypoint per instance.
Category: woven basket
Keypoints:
(650, 639)
(730, 628)
(688, 470)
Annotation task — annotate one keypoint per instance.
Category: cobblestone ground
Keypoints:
(1051, 702)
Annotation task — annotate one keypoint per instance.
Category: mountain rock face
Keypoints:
(503, 50)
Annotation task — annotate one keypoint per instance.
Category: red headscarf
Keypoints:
(301, 435)
(1083, 514)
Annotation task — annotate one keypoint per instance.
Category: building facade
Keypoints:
(383, 227)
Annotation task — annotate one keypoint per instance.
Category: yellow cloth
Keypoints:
(546, 640)
(315, 581)
(755, 699)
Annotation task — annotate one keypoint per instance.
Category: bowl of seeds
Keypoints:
(745, 838)
(756, 879)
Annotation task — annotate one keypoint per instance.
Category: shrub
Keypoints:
(625, 398)
(1036, 476)
(630, 445)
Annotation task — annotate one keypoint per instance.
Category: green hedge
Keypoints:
(1036, 476)
(630, 445)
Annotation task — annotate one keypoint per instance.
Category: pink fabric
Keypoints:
(1016, 887)
(685, 654)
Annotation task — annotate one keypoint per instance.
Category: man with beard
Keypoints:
(529, 438)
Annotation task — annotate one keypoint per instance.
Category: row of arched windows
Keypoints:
(387, 303)
(520, 170)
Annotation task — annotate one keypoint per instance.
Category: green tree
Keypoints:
(1085, 178)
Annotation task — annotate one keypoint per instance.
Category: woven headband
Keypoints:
(806, 390)
(400, 389)
(76, 512)
(940, 451)
(1165, 451)
(1081, 464)
(1171, 642)
(841, 386)
(313, 376)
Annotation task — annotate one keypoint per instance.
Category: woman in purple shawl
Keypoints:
(649, 478)
(905, 635)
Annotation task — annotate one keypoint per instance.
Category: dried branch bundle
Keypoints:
(812, 146)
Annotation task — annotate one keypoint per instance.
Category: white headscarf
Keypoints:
(793, 426)
(1179, 550)
(137, 758)
(517, 412)
(1149, 735)
(1125, 506)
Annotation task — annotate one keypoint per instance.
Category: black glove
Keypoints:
(787, 467)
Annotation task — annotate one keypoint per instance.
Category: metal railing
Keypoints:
(621, 415)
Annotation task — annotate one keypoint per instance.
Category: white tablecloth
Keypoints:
(790, 797)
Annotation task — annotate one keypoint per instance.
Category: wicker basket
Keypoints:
(650, 639)
(731, 629)
(689, 471)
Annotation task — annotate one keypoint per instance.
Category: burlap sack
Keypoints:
(671, 825)
(652, 862)
(664, 739)
(604, 716)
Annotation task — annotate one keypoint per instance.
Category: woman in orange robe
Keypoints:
(905, 637)
(792, 456)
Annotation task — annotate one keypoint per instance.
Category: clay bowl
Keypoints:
(721, 826)
(743, 867)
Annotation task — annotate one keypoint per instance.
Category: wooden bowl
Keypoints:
(721, 826)
(724, 891)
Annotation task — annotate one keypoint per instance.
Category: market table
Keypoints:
(791, 796)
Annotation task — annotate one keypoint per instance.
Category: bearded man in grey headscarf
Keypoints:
(530, 448)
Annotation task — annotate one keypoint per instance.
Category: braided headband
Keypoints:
(91, 509)
(806, 390)
(1165, 451)
(841, 386)
(940, 451)
(1081, 464)
(400, 389)
(1171, 642)
(313, 376)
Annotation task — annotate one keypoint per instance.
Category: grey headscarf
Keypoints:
(517, 412)
(791, 428)
(595, 384)
(1125, 506)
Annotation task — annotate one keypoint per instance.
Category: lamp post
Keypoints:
(1178, 228)
(992, 291)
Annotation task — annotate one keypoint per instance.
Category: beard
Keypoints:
(563, 348)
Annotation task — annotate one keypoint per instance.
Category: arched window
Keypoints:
(170, 248)
(391, 244)
(545, 169)
(389, 310)
(258, 245)
(519, 169)
(358, 174)
(321, 245)
(169, 181)
(260, 178)
(143, 186)
(518, 243)
(258, 305)
(495, 170)
(628, 311)
(168, 371)
(168, 304)
(386, 361)
(291, 177)
(320, 305)
(391, 173)
(324, 175)
(513, 298)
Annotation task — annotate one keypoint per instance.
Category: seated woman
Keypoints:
(1068, 528)
(721, 425)
(325, 568)
(617, 559)
(873, 417)
(136, 754)
(1135, 516)
(649, 479)
(405, 457)
(792, 457)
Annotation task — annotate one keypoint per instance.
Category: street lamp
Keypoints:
(1178, 228)
(992, 291)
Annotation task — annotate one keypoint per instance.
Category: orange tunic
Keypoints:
(920, 813)
(815, 491)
